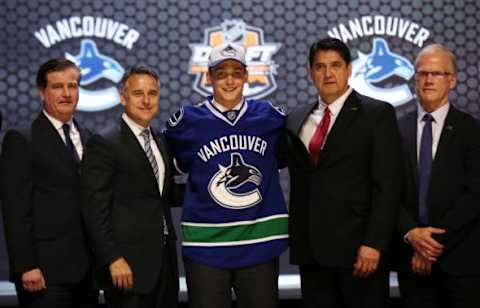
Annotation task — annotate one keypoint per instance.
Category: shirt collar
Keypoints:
(337, 104)
(55, 122)
(438, 115)
(136, 128)
(222, 108)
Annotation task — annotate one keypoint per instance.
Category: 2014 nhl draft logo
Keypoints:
(260, 65)
(379, 66)
(223, 184)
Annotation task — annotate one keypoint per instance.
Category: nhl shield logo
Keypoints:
(259, 57)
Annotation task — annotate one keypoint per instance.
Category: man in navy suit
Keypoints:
(344, 162)
(127, 180)
(439, 221)
(50, 261)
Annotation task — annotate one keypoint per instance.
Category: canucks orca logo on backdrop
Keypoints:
(223, 184)
(260, 65)
(94, 66)
(382, 66)
(99, 72)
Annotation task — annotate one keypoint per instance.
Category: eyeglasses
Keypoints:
(434, 74)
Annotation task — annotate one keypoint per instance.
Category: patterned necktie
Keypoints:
(153, 162)
(70, 146)
(425, 168)
(319, 136)
(148, 151)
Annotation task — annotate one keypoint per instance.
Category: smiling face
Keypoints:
(140, 97)
(435, 78)
(60, 94)
(227, 79)
(330, 73)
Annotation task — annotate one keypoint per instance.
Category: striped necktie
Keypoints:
(148, 151)
(153, 162)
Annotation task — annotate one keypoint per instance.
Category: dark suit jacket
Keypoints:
(454, 193)
(351, 197)
(41, 204)
(123, 208)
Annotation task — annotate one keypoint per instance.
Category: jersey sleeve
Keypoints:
(180, 137)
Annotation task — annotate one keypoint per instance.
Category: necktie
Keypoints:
(70, 146)
(425, 167)
(319, 136)
(148, 151)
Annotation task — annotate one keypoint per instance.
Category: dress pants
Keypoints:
(330, 287)
(438, 290)
(79, 295)
(211, 287)
(163, 295)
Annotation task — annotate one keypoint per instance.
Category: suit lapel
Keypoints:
(84, 133)
(411, 146)
(161, 145)
(295, 122)
(340, 128)
(443, 147)
(138, 154)
(50, 136)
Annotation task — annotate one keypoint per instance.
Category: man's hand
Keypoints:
(367, 261)
(421, 265)
(33, 280)
(422, 241)
(122, 276)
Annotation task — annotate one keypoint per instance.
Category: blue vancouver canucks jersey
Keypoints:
(234, 213)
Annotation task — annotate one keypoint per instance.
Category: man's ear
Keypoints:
(122, 97)
(207, 76)
(41, 94)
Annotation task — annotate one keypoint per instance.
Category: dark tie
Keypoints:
(153, 162)
(425, 168)
(70, 146)
(319, 136)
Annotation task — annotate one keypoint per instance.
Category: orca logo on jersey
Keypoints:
(237, 174)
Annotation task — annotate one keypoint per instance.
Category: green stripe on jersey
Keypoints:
(237, 233)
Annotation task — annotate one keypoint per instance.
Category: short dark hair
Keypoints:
(330, 43)
(138, 70)
(54, 65)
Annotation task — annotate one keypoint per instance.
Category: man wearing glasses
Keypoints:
(439, 221)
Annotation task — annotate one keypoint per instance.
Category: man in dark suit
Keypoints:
(126, 183)
(344, 163)
(49, 257)
(439, 221)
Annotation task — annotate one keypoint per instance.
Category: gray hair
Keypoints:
(438, 47)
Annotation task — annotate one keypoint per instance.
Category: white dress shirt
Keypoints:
(438, 122)
(137, 131)
(313, 120)
(74, 133)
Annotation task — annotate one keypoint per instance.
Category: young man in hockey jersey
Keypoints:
(234, 223)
